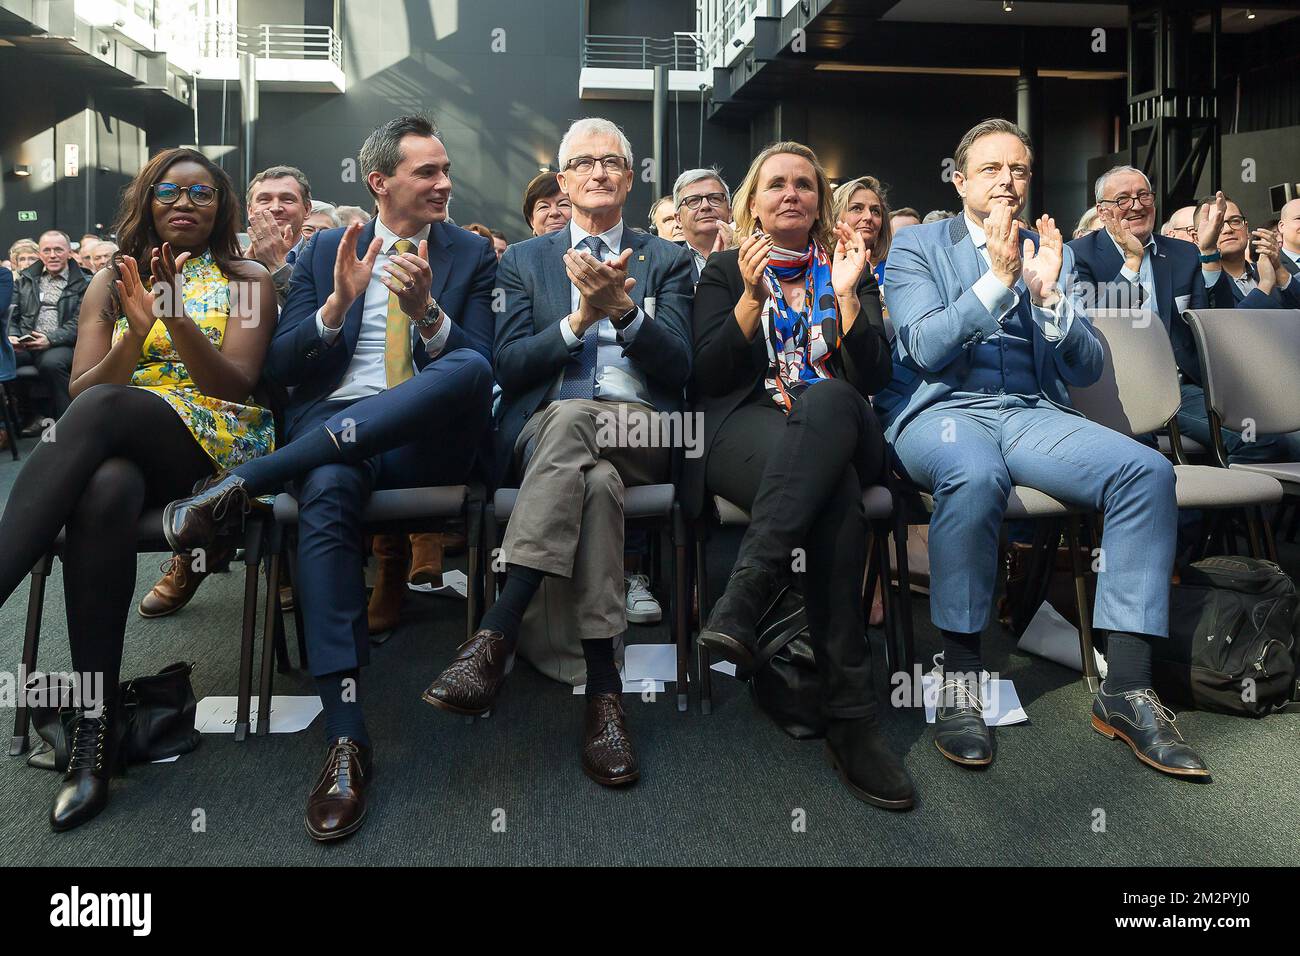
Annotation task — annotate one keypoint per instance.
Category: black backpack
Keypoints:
(1232, 645)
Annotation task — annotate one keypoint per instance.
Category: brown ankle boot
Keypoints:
(173, 591)
(426, 559)
(390, 585)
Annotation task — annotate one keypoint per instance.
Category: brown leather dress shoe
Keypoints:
(607, 754)
(337, 805)
(426, 559)
(385, 607)
(216, 509)
(473, 679)
(179, 583)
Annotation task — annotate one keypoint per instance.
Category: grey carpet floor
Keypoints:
(729, 788)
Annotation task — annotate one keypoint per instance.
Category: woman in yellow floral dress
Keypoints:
(170, 345)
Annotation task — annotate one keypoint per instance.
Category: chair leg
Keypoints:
(906, 653)
(701, 652)
(887, 599)
(681, 608)
(1294, 527)
(31, 640)
(268, 635)
(9, 408)
(1252, 532)
(492, 541)
(252, 562)
(1270, 544)
(1081, 605)
(300, 629)
(869, 593)
(474, 545)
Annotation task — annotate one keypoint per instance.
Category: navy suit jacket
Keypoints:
(1226, 294)
(929, 279)
(530, 352)
(464, 269)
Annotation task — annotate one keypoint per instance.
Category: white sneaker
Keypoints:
(642, 608)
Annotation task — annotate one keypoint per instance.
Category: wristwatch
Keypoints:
(431, 316)
(625, 319)
(1211, 257)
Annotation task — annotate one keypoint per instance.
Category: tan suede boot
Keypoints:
(390, 585)
(426, 559)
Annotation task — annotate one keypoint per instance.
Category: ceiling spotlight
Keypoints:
(22, 170)
(1250, 14)
(1006, 6)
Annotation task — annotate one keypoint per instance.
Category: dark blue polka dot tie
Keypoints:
(580, 374)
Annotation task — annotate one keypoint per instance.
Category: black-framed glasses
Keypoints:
(1145, 197)
(1235, 222)
(713, 199)
(200, 195)
(586, 164)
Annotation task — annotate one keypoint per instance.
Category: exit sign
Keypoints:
(27, 215)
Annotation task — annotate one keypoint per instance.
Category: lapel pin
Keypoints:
(640, 258)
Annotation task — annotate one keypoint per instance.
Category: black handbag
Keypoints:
(785, 683)
(157, 713)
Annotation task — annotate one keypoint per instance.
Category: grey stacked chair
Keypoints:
(655, 505)
(1250, 367)
(395, 511)
(1138, 394)
(885, 518)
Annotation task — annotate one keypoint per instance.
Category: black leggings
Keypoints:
(802, 477)
(116, 451)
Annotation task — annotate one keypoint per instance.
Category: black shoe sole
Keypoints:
(730, 649)
(904, 804)
(963, 761)
(1110, 733)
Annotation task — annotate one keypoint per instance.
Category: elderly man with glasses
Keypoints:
(703, 204)
(593, 343)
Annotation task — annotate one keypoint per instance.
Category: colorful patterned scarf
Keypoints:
(799, 344)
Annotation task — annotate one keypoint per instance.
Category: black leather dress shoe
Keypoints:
(731, 632)
(959, 729)
(1139, 719)
(215, 510)
(865, 764)
(473, 679)
(337, 805)
(607, 754)
(96, 754)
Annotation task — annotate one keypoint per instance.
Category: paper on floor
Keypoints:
(724, 667)
(1052, 636)
(216, 715)
(454, 585)
(657, 662)
(1001, 702)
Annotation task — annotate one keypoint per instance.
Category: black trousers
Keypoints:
(55, 366)
(801, 478)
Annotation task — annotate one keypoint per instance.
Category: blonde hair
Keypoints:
(822, 225)
(844, 195)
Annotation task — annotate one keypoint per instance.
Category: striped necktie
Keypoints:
(397, 336)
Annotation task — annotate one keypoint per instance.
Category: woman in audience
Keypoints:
(863, 206)
(22, 254)
(788, 347)
(546, 208)
(160, 387)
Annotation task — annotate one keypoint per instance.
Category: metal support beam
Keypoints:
(249, 103)
(661, 130)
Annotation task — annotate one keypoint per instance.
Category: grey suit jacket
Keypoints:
(529, 352)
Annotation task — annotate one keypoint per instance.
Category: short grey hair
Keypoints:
(382, 150)
(937, 215)
(693, 176)
(1099, 188)
(987, 128)
(593, 126)
(327, 209)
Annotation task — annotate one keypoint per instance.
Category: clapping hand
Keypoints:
(409, 277)
(168, 281)
(1002, 238)
(136, 301)
(1207, 233)
(1041, 269)
(755, 252)
(849, 261)
(1118, 228)
(271, 242)
(602, 286)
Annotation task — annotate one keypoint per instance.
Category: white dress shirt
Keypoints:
(1145, 276)
(366, 375)
(1000, 301)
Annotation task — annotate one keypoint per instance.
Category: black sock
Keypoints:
(602, 675)
(341, 697)
(1128, 662)
(508, 611)
(272, 472)
(961, 653)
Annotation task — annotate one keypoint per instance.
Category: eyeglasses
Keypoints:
(1186, 230)
(168, 193)
(713, 199)
(1235, 222)
(586, 164)
(1145, 198)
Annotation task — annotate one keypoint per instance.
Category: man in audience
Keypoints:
(350, 214)
(86, 251)
(279, 201)
(44, 330)
(499, 242)
(991, 331)
(105, 250)
(584, 364)
(1289, 226)
(1181, 225)
(385, 340)
(663, 220)
(703, 204)
(936, 215)
(1223, 235)
(904, 217)
(323, 216)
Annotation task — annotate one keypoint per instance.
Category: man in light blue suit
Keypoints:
(991, 330)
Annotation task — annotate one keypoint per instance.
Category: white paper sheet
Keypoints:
(454, 585)
(1001, 702)
(1051, 636)
(657, 662)
(167, 759)
(724, 667)
(216, 715)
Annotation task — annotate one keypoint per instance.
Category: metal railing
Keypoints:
(221, 39)
(719, 22)
(681, 51)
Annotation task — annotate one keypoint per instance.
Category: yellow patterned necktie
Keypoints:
(397, 337)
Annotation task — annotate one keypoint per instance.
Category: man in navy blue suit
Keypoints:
(1127, 265)
(386, 340)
